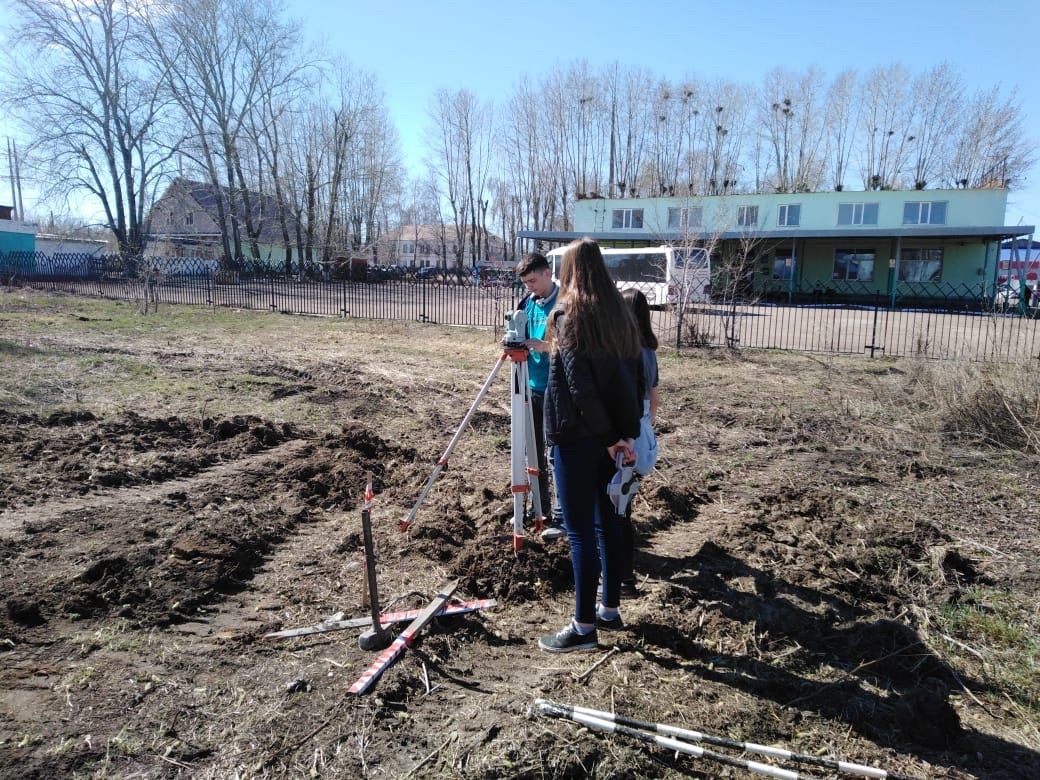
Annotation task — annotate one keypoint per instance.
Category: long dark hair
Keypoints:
(641, 309)
(598, 321)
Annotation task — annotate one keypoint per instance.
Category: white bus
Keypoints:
(664, 274)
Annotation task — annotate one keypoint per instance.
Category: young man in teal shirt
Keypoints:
(536, 276)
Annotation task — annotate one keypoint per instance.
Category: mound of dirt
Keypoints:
(155, 557)
(74, 453)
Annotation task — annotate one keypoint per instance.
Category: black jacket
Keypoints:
(591, 397)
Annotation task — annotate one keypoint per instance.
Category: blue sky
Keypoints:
(415, 47)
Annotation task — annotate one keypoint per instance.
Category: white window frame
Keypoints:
(859, 212)
(189, 218)
(743, 214)
(681, 218)
(925, 211)
(628, 218)
(783, 215)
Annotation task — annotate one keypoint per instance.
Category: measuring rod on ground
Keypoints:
(388, 656)
(571, 710)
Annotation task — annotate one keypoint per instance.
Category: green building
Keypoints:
(907, 244)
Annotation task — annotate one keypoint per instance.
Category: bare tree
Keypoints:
(990, 147)
(462, 139)
(373, 177)
(76, 78)
(631, 112)
(724, 131)
(936, 97)
(842, 120)
(218, 57)
(887, 116)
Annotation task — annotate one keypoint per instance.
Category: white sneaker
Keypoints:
(551, 533)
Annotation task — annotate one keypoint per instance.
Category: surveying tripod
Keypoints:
(523, 447)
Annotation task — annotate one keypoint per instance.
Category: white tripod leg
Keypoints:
(517, 458)
(531, 459)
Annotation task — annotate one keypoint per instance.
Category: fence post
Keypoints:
(873, 346)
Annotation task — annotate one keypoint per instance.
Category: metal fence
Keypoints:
(916, 320)
(374, 293)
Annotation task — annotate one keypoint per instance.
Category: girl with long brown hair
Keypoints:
(592, 411)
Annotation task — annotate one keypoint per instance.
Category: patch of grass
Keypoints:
(65, 745)
(12, 350)
(125, 744)
(1000, 632)
(79, 677)
(988, 615)
(118, 637)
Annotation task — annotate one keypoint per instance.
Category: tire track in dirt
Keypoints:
(300, 583)
(14, 520)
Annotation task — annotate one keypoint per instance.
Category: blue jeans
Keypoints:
(582, 470)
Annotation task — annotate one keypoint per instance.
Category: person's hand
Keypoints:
(537, 345)
(627, 446)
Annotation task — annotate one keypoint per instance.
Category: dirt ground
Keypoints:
(824, 563)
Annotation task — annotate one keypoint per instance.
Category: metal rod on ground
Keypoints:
(366, 549)
(377, 637)
(443, 461)
(750, 747)
(403, 641)
(608, 727)
(387, 618)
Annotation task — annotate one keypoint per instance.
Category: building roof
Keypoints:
(645, 237)
(264, 209)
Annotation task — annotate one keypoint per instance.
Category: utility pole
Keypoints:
(18, 182)
(10, 170)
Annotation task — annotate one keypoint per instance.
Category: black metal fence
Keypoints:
(925, 320)
(375, 293)
(921, 320)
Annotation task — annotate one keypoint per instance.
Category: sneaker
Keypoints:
(614, 624)
(551, 532)
(569, 640)
(629, 590)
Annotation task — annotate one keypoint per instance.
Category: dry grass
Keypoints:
(998, 406)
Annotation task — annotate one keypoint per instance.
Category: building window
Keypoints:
(189, 218)
(854, 265)
(169, 218)
(789, 215)
(687, 217)
(924, 212)
(407, 248)
(783, 266)
(857, 213)
(628, 218)
(747, 216)
(921, 265)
